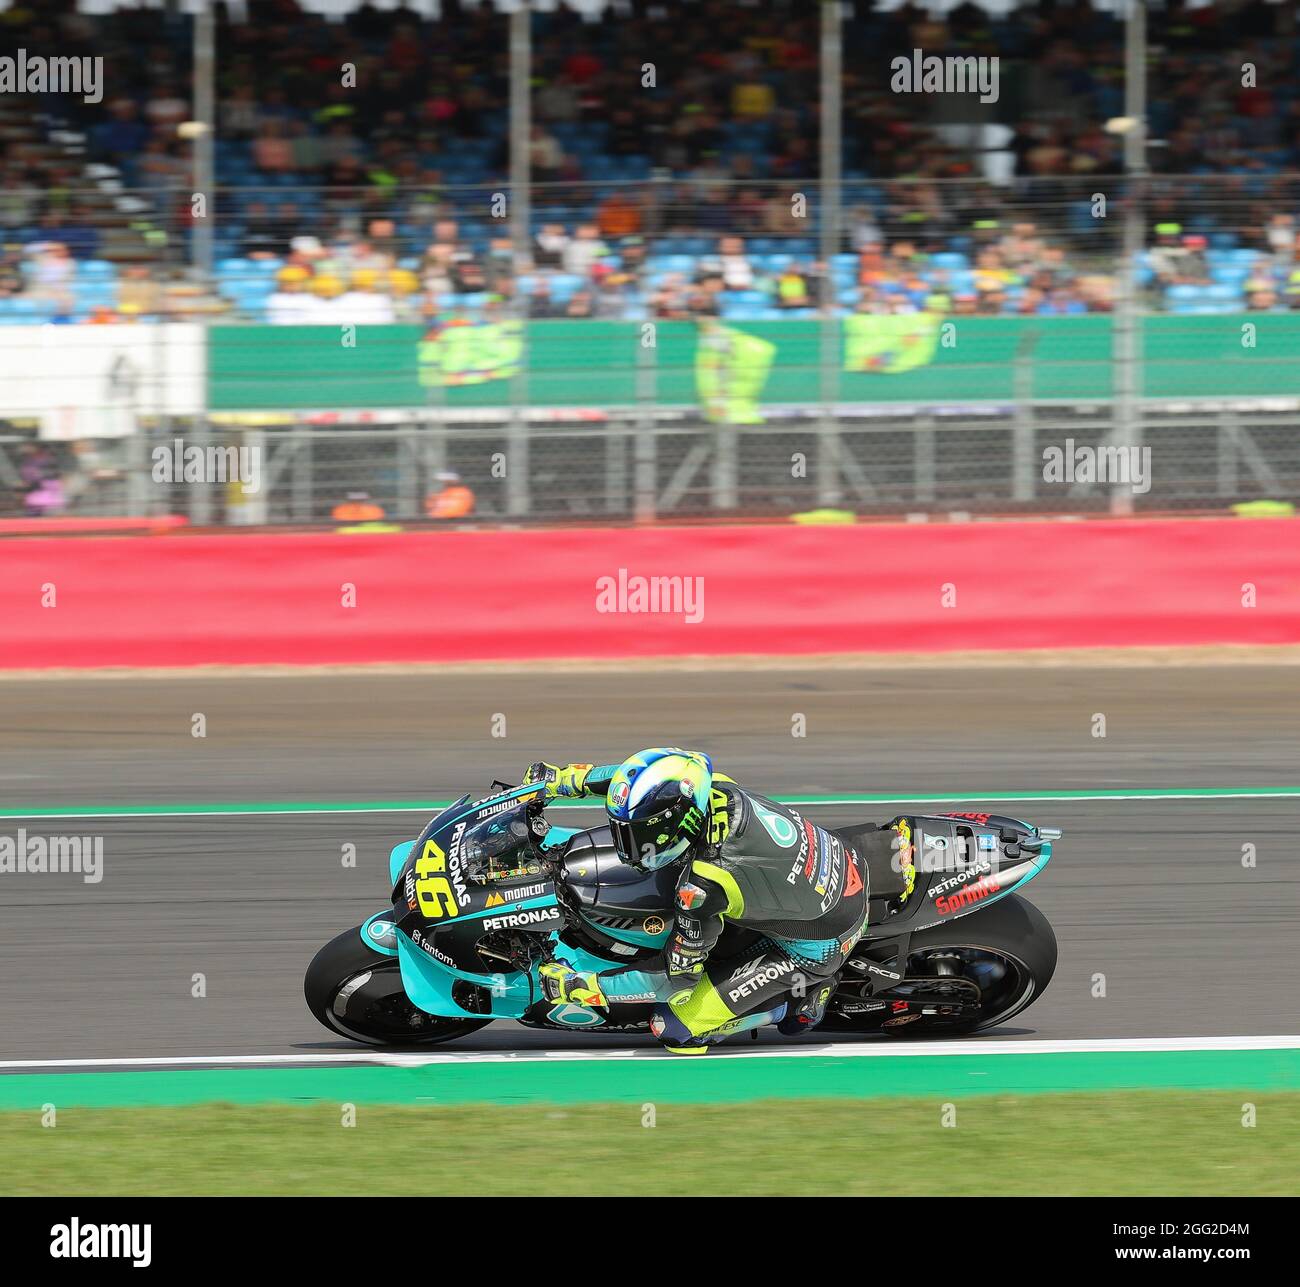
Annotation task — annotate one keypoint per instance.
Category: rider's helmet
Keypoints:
(657, 804)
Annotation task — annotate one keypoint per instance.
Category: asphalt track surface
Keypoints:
(1151, 894)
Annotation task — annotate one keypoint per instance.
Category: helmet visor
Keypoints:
(649, 843)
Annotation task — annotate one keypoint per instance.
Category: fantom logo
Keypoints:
(975, 893)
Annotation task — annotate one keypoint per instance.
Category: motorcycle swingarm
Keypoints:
(881, 975)
(954, 992)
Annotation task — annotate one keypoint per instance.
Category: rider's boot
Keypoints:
(678, 1039)
(807, 1012)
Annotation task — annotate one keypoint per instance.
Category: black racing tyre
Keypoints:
(358, 994)
(1008, 947)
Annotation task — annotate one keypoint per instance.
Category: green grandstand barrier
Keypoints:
(610, 364)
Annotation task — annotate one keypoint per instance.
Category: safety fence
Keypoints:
(576, 421)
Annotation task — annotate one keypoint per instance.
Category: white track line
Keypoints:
(1107, 1045)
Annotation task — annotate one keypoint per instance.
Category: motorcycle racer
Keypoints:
(745, 860)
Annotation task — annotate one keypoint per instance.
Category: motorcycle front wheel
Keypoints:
(359, 995)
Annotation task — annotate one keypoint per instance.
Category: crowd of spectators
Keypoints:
(356, 158)
(373, 275)
(707, 88)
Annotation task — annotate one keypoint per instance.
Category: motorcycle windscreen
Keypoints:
(397, 860)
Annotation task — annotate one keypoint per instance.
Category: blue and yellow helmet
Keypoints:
(657, 804)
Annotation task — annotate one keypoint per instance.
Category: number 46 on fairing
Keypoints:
(432, 888)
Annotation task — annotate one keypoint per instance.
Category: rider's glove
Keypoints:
(561, 982)
(568, 780)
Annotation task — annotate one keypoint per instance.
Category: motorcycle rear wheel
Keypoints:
(1009, 948)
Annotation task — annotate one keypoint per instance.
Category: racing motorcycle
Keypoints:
(491, 890)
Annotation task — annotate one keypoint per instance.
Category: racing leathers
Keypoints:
(760, 866)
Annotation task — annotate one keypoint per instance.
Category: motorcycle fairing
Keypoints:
(1021, 854)
(397, 859)
(636, 937)
(429, 982)
(1013, 848)
(986, 890)
(433, 980)
(381, 940)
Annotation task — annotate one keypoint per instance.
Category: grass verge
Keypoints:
(1138, 1143)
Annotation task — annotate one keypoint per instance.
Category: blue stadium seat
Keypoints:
(24, 309)
(1230, 274)
(1224, 296)
(564, 286)
(89, 295)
